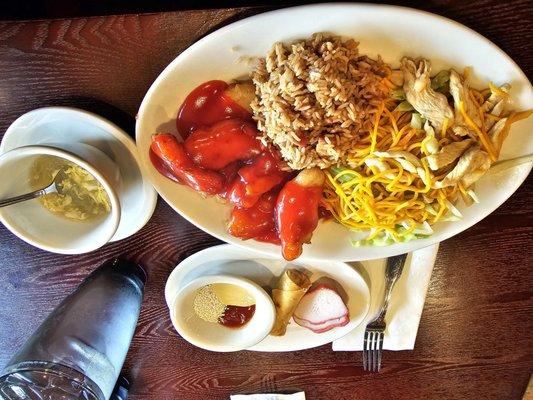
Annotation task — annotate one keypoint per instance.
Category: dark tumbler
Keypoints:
(78, 351)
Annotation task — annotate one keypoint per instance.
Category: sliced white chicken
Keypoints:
(495, 104)
(460, 93)
(471, 166)
(448, 154)
(430, 104)
(408, 161)
(380, 166)
(496, 96)
(431, 142)
(495, 133)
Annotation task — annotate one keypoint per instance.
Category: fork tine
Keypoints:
(375, 352)
(380, 348)
(365, 349)
(371, 353)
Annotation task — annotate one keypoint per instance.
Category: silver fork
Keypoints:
(375, 330)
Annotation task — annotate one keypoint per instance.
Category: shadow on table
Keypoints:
(238, 16)
(124, 120)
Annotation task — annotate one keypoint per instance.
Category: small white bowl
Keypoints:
(213, 336)
(53, 125)
(41, 228)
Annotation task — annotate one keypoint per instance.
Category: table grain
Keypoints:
(475, 339)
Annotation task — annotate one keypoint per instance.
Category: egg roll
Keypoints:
(291, 287)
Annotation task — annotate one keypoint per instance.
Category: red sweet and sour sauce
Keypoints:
(221, 155)
(206, 105)
(161, 167)
(297, 208)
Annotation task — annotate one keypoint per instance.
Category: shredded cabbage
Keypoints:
(398, 94)
(404, 106)
(402, 234)
(441, 81)
(417, 121)
(386, 188)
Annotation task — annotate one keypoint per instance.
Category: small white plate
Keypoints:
(66, 124)
(264, 270)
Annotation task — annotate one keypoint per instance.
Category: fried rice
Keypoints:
(315, 98)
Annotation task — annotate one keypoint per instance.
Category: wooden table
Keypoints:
(475, 339)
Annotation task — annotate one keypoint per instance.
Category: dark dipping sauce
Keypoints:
(236, 316)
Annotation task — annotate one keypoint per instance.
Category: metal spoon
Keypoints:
(53, 187)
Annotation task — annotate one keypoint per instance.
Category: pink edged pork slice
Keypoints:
(321, 309)
(326, 326)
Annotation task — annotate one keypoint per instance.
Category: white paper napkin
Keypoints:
(269, 396)
(406, 304)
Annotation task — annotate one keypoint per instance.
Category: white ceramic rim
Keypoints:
(413, 245)
(255, 290)
(224, 253)
(67, 155)
(119, 134)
